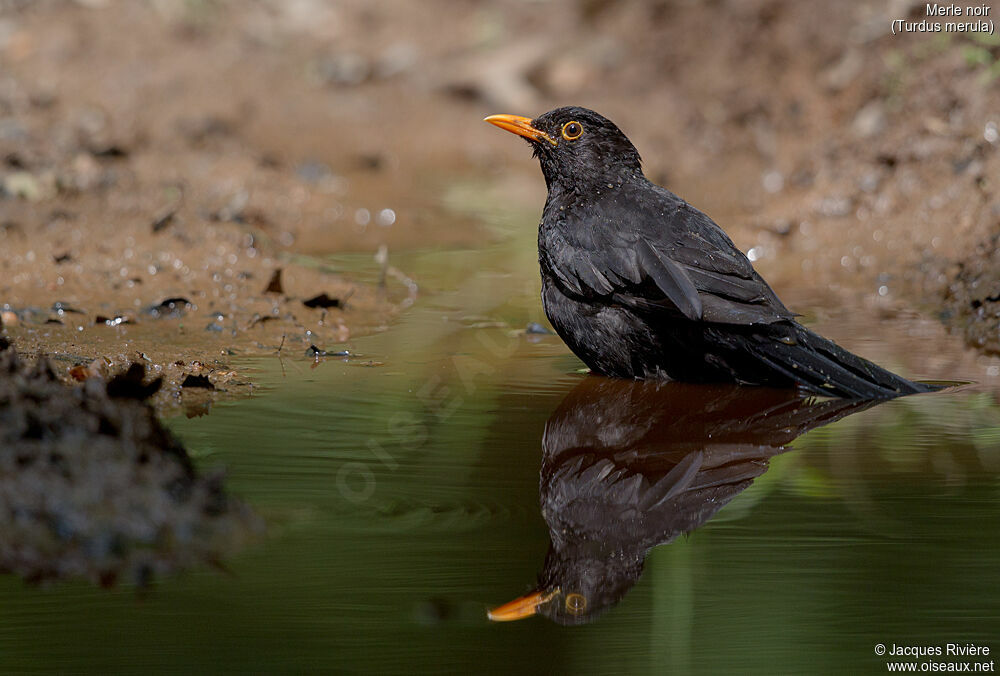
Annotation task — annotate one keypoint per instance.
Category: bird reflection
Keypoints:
(629, 465)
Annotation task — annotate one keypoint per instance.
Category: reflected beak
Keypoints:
(518, 609)
(521, 126)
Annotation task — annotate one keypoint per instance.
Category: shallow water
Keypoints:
(403, 502)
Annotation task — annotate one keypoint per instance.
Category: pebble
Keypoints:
(869, 121)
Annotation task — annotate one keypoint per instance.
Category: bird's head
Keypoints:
(576, 586)
(576, 147)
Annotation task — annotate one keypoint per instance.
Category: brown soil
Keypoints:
(156, 150)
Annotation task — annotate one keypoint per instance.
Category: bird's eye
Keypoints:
(572, 130)
(575, 603)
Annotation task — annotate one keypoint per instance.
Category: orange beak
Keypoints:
(518, 609)
(521, 126)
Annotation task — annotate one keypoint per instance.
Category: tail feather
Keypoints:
(823, 367)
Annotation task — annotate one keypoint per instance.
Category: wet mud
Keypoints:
(93, 487)
(972, 296)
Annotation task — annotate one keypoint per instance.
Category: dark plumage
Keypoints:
(628, 466)
(642, 285)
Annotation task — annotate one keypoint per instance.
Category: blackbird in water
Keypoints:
(628, 466)
(640, 284)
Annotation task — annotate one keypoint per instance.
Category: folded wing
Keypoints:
(673, 260)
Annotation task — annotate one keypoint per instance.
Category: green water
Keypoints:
(402, 502)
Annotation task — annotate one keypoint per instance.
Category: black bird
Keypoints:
(627, 466)
(640, 284)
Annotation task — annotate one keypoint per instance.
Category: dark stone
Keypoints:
(322, 301)
(197, 381)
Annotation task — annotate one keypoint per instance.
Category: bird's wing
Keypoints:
(671, 259)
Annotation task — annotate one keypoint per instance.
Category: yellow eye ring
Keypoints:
(572, 130)
(576, 603)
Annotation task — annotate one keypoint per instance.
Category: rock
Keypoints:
(85, 174)
(24, 185)
(163, 220)
(345, 70)
(175, 306)
(397, 59)
(96, 488)
(836, 206)
(313, 171)
(197, 381)
(844, 72)
(322, 301)
(312, 351)
(869, 121)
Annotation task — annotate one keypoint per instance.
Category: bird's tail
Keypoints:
(823, 367)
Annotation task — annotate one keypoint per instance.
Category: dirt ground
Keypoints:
(160, 160)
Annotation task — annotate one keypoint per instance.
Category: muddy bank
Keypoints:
(972, 296)
(92, 486)
(203, 320)
(151, 226)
